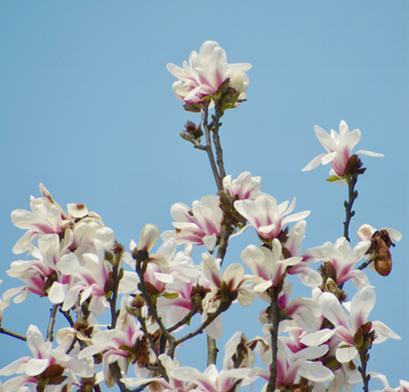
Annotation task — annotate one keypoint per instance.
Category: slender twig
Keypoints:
(363, 356)
(275, 320)
(183, 321)
(349, 213)
(209, 149)
(217, 144)
(67, 316)
(211, 317)
(7, 332)
(51, 323)
(152, 308)
(97, 388)
(116, 275)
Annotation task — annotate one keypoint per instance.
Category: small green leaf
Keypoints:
(170, 295)
(334, 178)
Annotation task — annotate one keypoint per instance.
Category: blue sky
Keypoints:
(86, 107)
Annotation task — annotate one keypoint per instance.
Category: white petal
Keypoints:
(370, 153)
(344, 354)
(56, 294)
(315, 371)
(36, 366)
(383, 332)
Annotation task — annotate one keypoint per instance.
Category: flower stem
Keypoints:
(51, 323)
(275, 320)
(364, 357)
(349, 213)
(7, 332)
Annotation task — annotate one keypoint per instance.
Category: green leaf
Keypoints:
(334, 178)
(170, 295)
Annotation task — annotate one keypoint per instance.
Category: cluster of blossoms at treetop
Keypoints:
(157, 295)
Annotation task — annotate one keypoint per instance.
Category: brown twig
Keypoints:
(364, 357)
(7, 332)
(275, 320)
(51, 323)
(140, 270)
(349, 213)
(208, 148)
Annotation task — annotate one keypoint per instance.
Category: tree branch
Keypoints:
(7, 332)
(352, 195)
(51, 323)
(275, 320)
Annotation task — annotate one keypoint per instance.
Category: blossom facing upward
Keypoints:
(338, 146)
(267, 216)
(205, 72)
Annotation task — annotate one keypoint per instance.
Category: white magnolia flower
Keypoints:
(338, 146)
(199, 225)
(268, 266)
(243, 187)
(205, 73)
(347, 325)
(343, 259)
(294, 362)
(267, 216)
(45, 361)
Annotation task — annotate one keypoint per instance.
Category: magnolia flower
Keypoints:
(294, 362)
(346, 326)
(205, 72)
(51, 366)
(41, 275)
(243, 187)
(224, 289)
(199, 225)
(268, 266)
(339, 147)
(342, 259)
(45, 217)
(268, 217)
(211, 380)
(121, 344)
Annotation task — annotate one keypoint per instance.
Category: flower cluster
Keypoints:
(170, 287)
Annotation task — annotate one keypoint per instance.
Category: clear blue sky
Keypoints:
(86, 107)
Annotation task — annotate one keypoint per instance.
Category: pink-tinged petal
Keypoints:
(263, 286)
(332, 309)
(383, 332)
(164, 278)
(193, 375)
(314, 163)
(148, 237)
(351, 139)
(315, 371)
(211, 270)
(14, 367)
(318, 337)
(56, 293)
(361, 305)
(254, 258)
(311, 352)
(209, 241)
(233, 275)
(36, 366)
(35, 341)
(345, 354)
(295, 217)
(329, 157)
(370, 154)
(324, 138)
